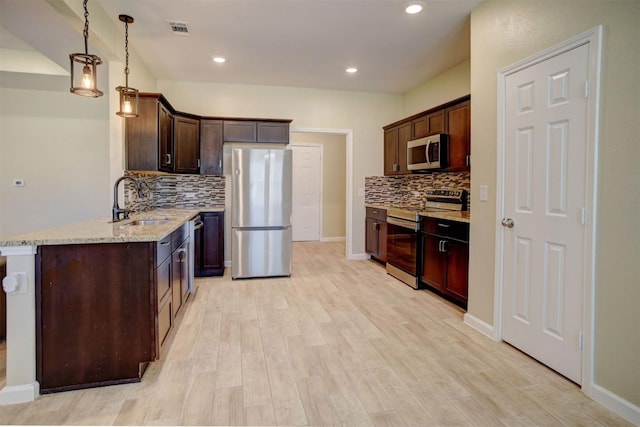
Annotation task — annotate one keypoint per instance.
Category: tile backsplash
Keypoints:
(174, 191)
(409, 190)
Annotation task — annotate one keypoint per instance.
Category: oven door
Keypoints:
(402, 250)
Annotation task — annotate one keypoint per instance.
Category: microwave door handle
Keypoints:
(427, 152)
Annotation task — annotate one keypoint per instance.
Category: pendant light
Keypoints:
(85, 83)
(128, 95)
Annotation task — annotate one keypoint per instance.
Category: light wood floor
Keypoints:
(339, 343)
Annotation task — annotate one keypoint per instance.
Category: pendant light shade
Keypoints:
(128, 95)
(84, 66)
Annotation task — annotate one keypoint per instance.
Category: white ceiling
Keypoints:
(302, 43)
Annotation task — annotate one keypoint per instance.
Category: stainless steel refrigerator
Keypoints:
(260, 212)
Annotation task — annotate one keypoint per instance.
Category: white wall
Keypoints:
(364, 113)
(58, 143)
(453, 83)
(504, 32)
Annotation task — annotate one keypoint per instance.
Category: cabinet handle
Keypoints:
(168, 242)
(198, 162)
(168, 159)
(468, 160)
(220, 164)
(198, 225)
(443, 225)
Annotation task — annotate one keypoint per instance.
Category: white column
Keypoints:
(21, 385)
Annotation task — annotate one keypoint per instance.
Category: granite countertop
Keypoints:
(464, 216)
(102, 230)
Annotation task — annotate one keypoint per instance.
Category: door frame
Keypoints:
(321, 195)
(348, 134)
(592, 38)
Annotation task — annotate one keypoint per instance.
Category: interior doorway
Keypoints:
(306, 212)
(335, 204)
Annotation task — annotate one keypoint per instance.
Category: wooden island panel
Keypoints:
(95, 307)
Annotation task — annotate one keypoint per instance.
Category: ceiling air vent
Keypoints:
(179, 28)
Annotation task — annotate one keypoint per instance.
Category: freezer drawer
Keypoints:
(260, 252)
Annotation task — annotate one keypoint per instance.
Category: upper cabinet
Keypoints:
(186, 144)
(162, 139)
(256, 131)
(452, 118)
(395, 149)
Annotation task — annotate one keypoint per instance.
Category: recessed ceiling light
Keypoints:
(219, 59)
(414, 7)
(351, 70)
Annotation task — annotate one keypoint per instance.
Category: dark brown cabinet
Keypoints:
(452, 119)
(376, 234)
(458, 119)
(105, 311)
(429, 124)
(445, 258)
(186, 144)
(209, 245)
(148, 137)
(395, 149)
(211, 146)
(165, 139)
(256, 131)
(240, 131)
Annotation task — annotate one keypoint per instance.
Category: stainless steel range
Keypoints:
(403, 232)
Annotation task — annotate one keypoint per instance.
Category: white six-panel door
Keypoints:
(307, 192)
(543, 204)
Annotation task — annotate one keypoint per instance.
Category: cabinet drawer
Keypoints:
(446, 228)
(377, 213)
(178, 236)
(163, 249)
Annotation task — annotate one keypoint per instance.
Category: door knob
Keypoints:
(507, 222)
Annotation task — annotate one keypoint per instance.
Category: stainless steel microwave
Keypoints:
(427, 153)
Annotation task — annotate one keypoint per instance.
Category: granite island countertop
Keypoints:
(460, 216)
(103, 230)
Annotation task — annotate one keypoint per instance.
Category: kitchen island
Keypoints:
(92, 303)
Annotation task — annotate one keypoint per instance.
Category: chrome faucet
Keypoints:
(116, 210)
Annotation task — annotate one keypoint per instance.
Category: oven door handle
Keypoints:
(411, 225)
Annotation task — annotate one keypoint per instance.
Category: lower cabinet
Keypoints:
(445, 258)
(209, 245)
(376, 234)
(104, 311)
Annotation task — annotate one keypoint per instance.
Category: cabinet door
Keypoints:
(211, 147)
(240, 131)
(186, 145)
(275, 132)
(371, 236)
(164, 137)
(434, 267)
(141, 136)
(404, 136)
(176, 280)
(428, 125)
(391, 151)
(459, 131)
(209, 249)
(457, 283)
(382, 242)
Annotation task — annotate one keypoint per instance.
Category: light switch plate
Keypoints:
(484, 193)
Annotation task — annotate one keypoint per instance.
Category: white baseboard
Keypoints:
(480, 326)
(227, 263)
(10, 395)
(615, 403)
(356, 257)
(333, 239)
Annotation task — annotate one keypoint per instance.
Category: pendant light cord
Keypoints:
(86, 27)
(126, 50)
